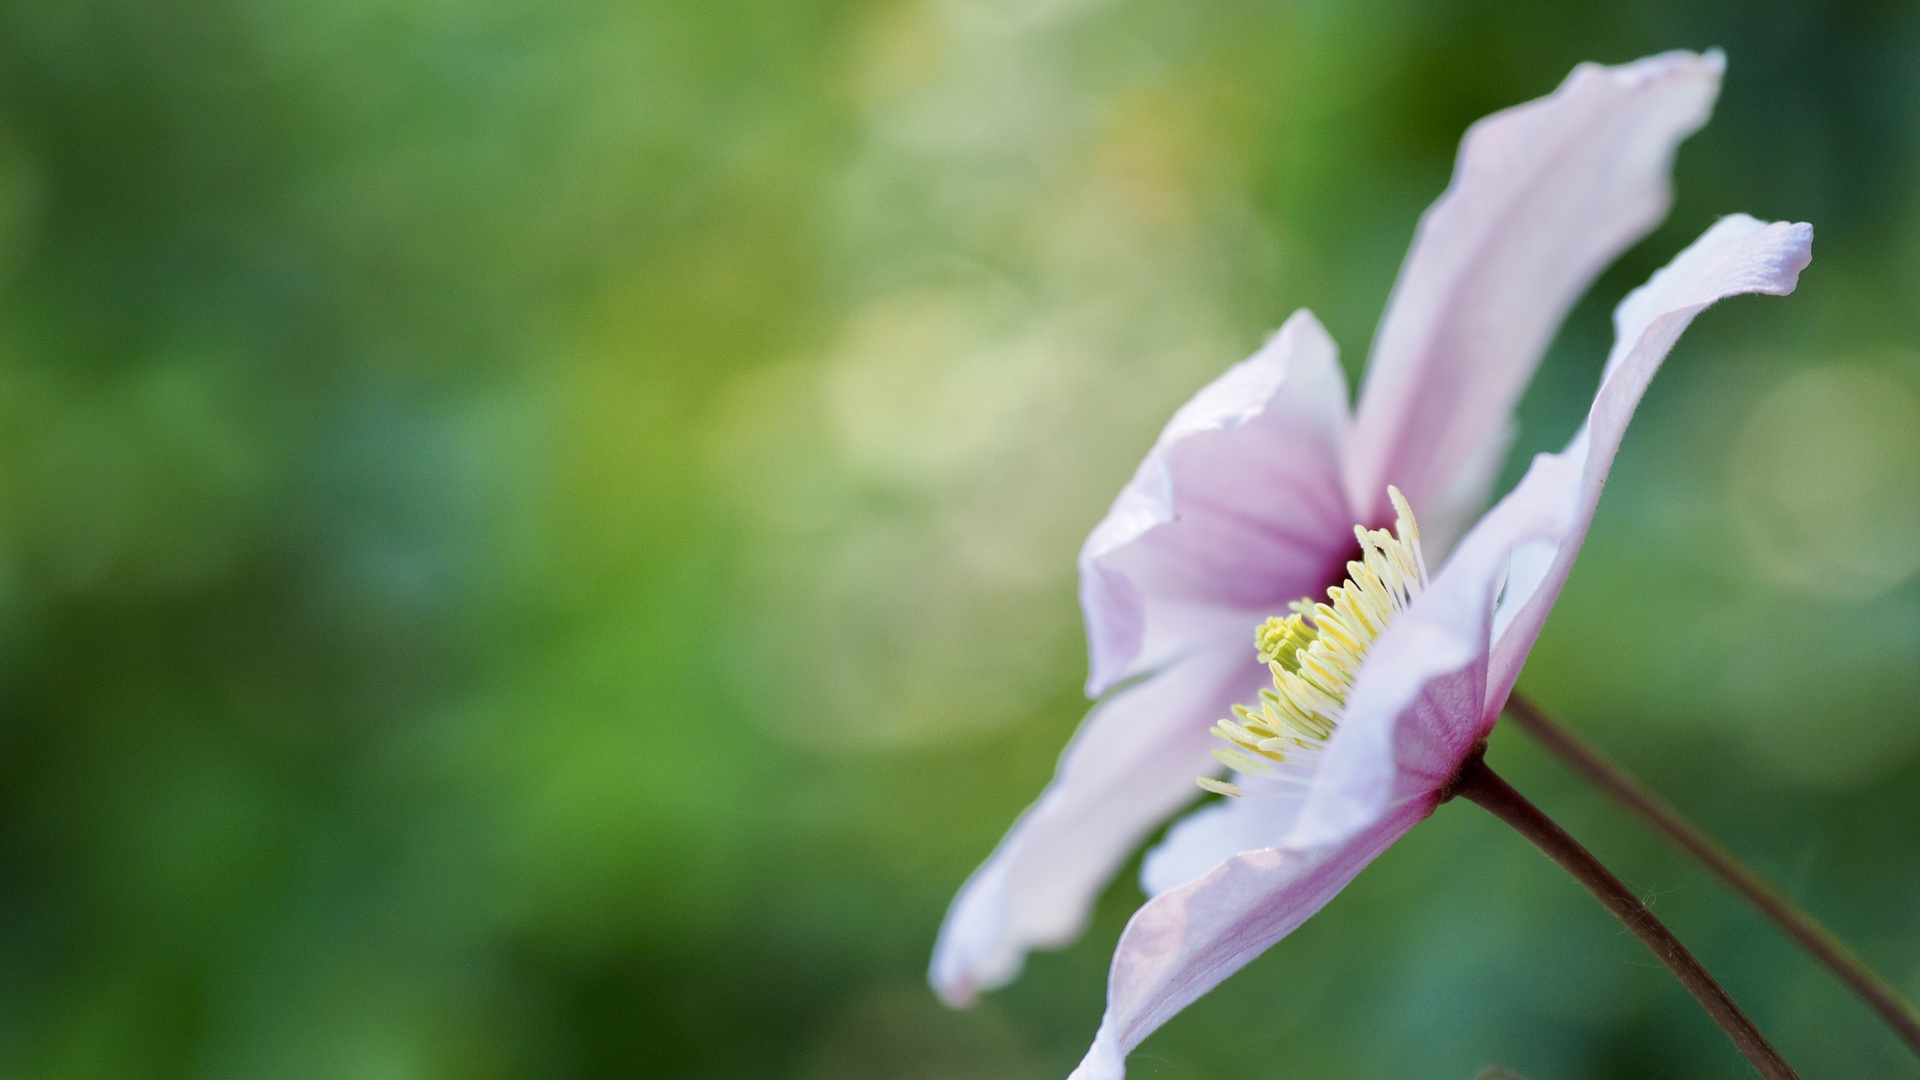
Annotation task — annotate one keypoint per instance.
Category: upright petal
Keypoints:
(1236, 511)
(1435, 680)
(1128, 768)
(1544, 196)
(1182, 943)
(1737, 255)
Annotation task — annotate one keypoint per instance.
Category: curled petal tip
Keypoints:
(977, 949)
(957, 994)
(1798, 253)
(1711, 62)
(959, 980)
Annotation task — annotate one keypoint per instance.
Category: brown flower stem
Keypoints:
(1483, 786)
(1793, 920)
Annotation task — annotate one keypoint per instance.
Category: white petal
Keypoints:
(1544, 196)
(1184, 942)
(1737, 255)
(1235, 512)
(1129, 767)
(1217, 832)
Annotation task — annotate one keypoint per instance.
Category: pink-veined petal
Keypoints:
(1737, 255)
(1129, 767)
(1416, 710)
(1184, 942)
(1236, 511)
(1406, 726)
(1413, 716)
(1544, 196)
(1401, 740)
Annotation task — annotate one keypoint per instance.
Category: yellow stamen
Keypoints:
(1220, 786)
(1315, 653)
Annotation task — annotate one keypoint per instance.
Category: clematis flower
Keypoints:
(1380, 697)
(1249, 501)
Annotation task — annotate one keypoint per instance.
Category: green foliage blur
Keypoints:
(536, 539)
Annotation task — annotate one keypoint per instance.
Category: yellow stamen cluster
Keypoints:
(1315, 653)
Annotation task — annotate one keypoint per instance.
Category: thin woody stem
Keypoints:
(1483, 786)
(1793, 920)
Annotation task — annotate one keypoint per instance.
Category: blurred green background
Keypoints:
(536, 539)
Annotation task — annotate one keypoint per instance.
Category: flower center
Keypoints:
(1315, 653)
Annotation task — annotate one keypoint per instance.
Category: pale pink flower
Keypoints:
(1431, 686)
(1248, 502)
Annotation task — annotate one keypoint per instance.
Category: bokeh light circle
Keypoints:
(1823, 482)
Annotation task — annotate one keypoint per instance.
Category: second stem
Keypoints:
(1481, 785)
(1790, 917)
